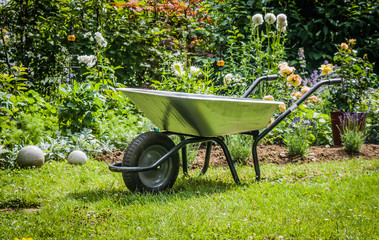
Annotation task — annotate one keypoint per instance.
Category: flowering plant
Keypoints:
(296, 86)
(190, 79)
(357, 74)
(256, 54)
(98, 65)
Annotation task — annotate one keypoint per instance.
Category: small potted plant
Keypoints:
(357, 74)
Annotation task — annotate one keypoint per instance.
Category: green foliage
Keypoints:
(121, 130)
(26, 129)
(32, 37)
(190, 79)
(13, 83)
(256, 56)
(239, 147)
(81, 105)
(352, 140)
(320, 132)
(372, 121)
(352, 135)
(299, 137)
(319, 25)
(26, 118)
(358, 76)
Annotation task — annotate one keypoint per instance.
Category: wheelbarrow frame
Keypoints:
(257, 136)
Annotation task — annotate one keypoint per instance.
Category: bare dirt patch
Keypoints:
(26, 210)
(269, 154)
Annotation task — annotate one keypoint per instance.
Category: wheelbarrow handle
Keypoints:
(335, 81)
(297, 104)
(281, 117)
(257, 81)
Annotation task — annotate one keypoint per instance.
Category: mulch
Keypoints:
(269, 154)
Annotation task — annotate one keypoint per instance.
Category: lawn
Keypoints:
(329, 200)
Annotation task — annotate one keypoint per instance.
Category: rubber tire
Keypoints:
(134, 181)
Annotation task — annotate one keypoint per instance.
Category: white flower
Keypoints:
(177, 69)
(281, 23)
(237, 78)
(281, 28)
(282, 18)
(86, 35)
(89, 60)
(194, 70)
(228, 78)
(257, 19)
(100, 40)
(270, 18)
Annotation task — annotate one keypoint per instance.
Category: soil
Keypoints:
(269, 154)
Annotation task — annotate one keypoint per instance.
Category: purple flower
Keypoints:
(71, 75)
(68, 79)
(301, 54)
(314, 77)
(305, 82)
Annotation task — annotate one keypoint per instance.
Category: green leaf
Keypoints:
(88, 119)
(71, 105)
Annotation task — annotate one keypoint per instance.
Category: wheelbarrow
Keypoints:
(151, 160)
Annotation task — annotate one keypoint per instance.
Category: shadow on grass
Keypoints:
(184, 188)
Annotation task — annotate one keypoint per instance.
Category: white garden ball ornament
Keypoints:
(30, 156)
(77, 157)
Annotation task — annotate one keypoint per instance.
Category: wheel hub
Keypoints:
(158, 176)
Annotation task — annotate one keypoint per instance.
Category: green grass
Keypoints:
(331, 200)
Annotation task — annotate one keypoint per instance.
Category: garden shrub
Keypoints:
(121, 130)
(26, 129)
(319, 25)
(80, 106)
(298, 138)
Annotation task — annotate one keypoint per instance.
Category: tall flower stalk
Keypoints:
(260, 54)
(98, 65)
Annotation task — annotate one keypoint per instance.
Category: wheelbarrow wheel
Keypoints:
(143, 151)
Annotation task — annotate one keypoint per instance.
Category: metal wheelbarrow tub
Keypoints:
(202, 115)
(151, 161)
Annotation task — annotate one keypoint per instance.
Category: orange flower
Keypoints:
(286, 70)
(282, 65)
(344, 46)
(352, 41)
(297, 94)
(282, 107)
(268, 97)
(315, 99)
(294, 80)
(304, 89)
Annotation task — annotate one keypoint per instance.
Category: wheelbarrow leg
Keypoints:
(256, 162)
(184, 158)
(207, 158)
(228, 159)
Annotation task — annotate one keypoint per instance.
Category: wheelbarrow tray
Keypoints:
(200, 114)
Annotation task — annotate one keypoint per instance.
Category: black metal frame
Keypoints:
(257, 136)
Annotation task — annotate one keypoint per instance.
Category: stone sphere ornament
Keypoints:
(77, 157)
(30, 156)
